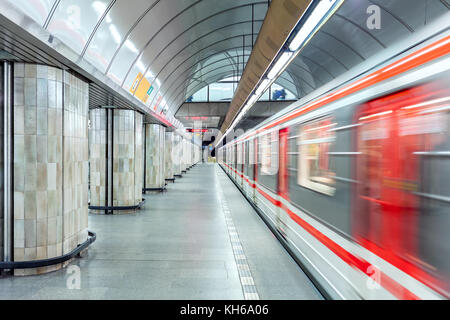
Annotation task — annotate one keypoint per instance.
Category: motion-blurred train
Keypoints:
(356, 181)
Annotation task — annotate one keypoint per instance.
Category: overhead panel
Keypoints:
(281, 18)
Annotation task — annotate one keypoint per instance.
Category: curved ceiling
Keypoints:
(162, 51)
(345, 41)
(175, 45)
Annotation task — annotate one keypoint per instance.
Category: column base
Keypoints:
(79, 251)
(154, 189)
(111, 209)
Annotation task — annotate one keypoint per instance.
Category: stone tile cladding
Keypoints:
(177, 153)
(50, 163)
(154, 176)
(168, 162)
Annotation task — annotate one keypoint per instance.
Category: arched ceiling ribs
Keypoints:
(213, 79)
(205, 58)
(125, 38)
(185, 85)
(407, 26)
(193, 55)
(213, 31)
(330, 55)
(190, 44)
(154, 35)
(50, 14)
(201, 21)
(193, 75)
(86, 45)
(360, 28)
(299, 75)
(294, 81)
(343, 43)
(198, 52)
(207, 34)
(221, 76)
(318, 65)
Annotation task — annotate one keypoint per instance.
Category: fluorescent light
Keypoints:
(262, 86)
(252, 100)
(99, 7)
(281, 62)
(130, 45)
(319, 12)
(115, 34)
(140, 66)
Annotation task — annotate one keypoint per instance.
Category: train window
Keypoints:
(251, 152)
(239, 153)
(314, 143)
(244, 159)
(269, 153)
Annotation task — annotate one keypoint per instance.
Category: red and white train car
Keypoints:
(356, 182)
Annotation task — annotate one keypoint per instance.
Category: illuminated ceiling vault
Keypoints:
(158, 51)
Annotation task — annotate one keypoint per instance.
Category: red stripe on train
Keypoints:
(354, 261)
(411, 61)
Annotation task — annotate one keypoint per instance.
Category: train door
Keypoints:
(239, 167)
(251, 168)
(283, 182)
(283, 173)
(243, 145)
(243, 163)
(396, 140)
(234, 147)
(386, 208)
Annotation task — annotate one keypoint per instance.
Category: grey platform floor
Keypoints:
(176, 247)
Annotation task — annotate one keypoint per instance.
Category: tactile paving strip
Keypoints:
(245, 275)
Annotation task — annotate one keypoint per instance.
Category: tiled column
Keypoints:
(139, 156)
(115, 159)
(50, 163)
(168, 158)
(154, 166)
(97, 157)
(177, 155)
(184, 157)
(123, 158)
(75, 161)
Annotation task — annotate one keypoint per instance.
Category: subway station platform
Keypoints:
(199, 239)
(224, 150)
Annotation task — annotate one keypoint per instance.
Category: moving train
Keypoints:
(356, 182)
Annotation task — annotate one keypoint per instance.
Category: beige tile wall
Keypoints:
(177, 154)
(139, 162)
(97, 156)
(124, 159)
(154, 176)
(75, 184)
(127, 157)
(50, 163)
(168, 151)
